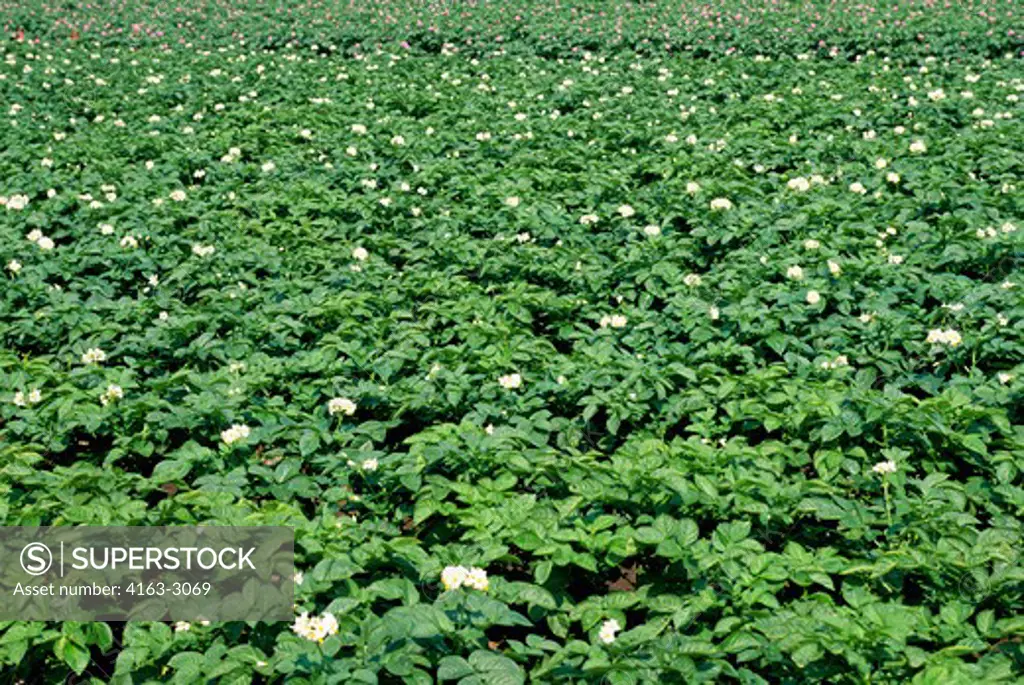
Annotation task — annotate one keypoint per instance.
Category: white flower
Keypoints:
(360, 254)
(511, 381)
(359, 129)
(836, 363)
(799, 184)
(1005, 378)
(892, 177)
(19, 399)
(34, 235)
(950, 337)
(477, 579)
(236, 433)
(177, 195)
(613, 320)
(45, 243)
(267, 167)
(834, 268)
(329, 624)
(17, 202)
(129, 242)
(112, 393)
(182, 627)
(795, 273)
(652, 230)
(720, 203)
(298, 578)
(813, 297)
(34, 396)
(106, 229)
(895, 259)
(692, 188)
(884, 467)
(608, 630)
(93, 355)
(202, 250)
(692, 280)
(398, 141)
(14, 266)
(811, 244)
(341, 405)
(453, 577)
(881, 163)
(315, 628)
(588, 219)
(858, 188)
(713, 313)
(370, 465)
(626, 211)
(918, 146)
(512, 201)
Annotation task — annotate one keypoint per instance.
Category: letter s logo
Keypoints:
(36, 558)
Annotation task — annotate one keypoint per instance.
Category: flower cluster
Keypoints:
(93, 355)
(23, 400)
(237, 433)
(454, 577)
(836, 363)
(613, 321)
(608, 630)
(341, 405)
(42, 242)
(884, 467)
(510, 381)
(111, 394)
(315, 628)
(938, 336)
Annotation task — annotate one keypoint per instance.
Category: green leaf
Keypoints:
(453, 668)
(73, 654)
(170, 470)
(496, 669)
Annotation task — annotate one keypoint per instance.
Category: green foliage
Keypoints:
(700, 471)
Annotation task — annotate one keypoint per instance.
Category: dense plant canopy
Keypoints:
(579, 342)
